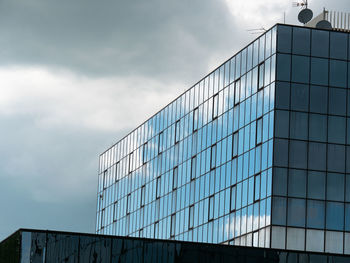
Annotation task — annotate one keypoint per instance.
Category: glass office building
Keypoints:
(254, 154)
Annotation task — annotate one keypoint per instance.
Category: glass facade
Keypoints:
(311, 168)
(254, 154)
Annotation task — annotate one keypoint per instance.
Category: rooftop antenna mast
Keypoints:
(305, 15)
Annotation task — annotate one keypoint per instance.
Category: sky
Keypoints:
(77, 76)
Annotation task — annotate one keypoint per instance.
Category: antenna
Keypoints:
(305, 15)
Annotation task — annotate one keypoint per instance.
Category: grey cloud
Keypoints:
(163, 39)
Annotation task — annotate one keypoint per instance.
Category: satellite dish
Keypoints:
(324, 24)
(305, 15)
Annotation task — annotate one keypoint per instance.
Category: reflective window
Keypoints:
(338, 73)
(143, 193)
(316, 185)
(298, 154)
(335, 216)
(338, 45)
(211, 208)
(296, 212)
(297, 183)
(259, 131)
(336, 129)
(257, 187)
(300, 69)
(298, 125)
(282, 124)
(336, 158)
(318, 99)
(237, 91)
(158, 187)
(315, 214)
(191, 217)
(261, 75)
(284, 38)
(280, 181)
(299, 97)
(317, 156)
(172, 225)
(235, 144)
(194, 165)
(282, 95)
(335, 187)
(318, 127)
(337, 101)
(196, 118)
(278, 216)
(215, 106)
(177, 131)
(175, 177)
(301, 41)
(320, 43)
(283, 67)
(319, 71)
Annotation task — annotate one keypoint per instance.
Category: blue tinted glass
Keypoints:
(282, 93)
(298, 154)
(336, 129)
(301, 41)
(337, 101)
(347, 217)
(318, 127)
(335, 187)
(280, 152)
(279, 205)
(296, 212)
(335, 216)
(338, 72)
(316, 185)
(283, 67)
(280, 181)
(319, 71)
(298, 125)
(320, 43)
(317, 156)
(315, 214)
(299, 97)
(336, 158)
(300, 69)
(318, 99)
(284, 38)
(338, 45)
(282, 124)
(297, 183)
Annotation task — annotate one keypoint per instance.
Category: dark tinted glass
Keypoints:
(284, 38)
(317, 156)
(335, 187)
(279, 205)
(283, 67)
(335, 216)
(315, 213)
(280, 152)
(318, 99)
(338, 45)
(282, 123)
(296, 212)
(336, 158)
(338, 72)
(282, 95)
(299, 97)
(316, 187)
(297, 183)
(320, 43)
(301, 41)
(337, 101)
(300, 69)
(280, 181)
(298, 154)
(318, 127)
(298, 125)
(336, 129)
(319, 71)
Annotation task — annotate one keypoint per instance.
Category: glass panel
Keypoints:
(299, 97)
(278, 216)
(315, 214)
(280, 181)
(318, 127)
(316, 185)
(315, 242)
(298, 154)
(300, 69)
(319, 71)
(335, 187)
(338, 45)
(298, 125)
(284, 41)
(301, 41)
(338, 73)
(335, 216)
(297, 183)
(296, 212)
(317, 156)
(337, 101)
(336, 158)
(282, 124)
(283, 67)
(282, 95)
(319, 99)
(320, 43)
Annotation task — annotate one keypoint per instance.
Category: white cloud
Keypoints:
(62, 99)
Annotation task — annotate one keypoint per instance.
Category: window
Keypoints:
(102, 218)
(160, 143)
(213, 157)
(237, 91)
(115, 211)
(131, 159)
(193, 167)
(191, 217)
(117, 173)
(158, 189)
(144, 153)
(156, 229)
(175, 175)
(128, 204)
(211, 208)
(215, 106)
(172, 225)
(177, 131)
(259, 128)
(196, 117)
(261, 73)
(233, 198)
(105, 177)
(143, 192)
(235, 145)
(256, 187)
(141, 232)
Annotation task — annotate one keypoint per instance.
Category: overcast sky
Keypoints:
(76, 76)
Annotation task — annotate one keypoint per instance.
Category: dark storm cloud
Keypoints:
(163, 39)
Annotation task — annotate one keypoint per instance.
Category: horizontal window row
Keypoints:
(314, 42)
